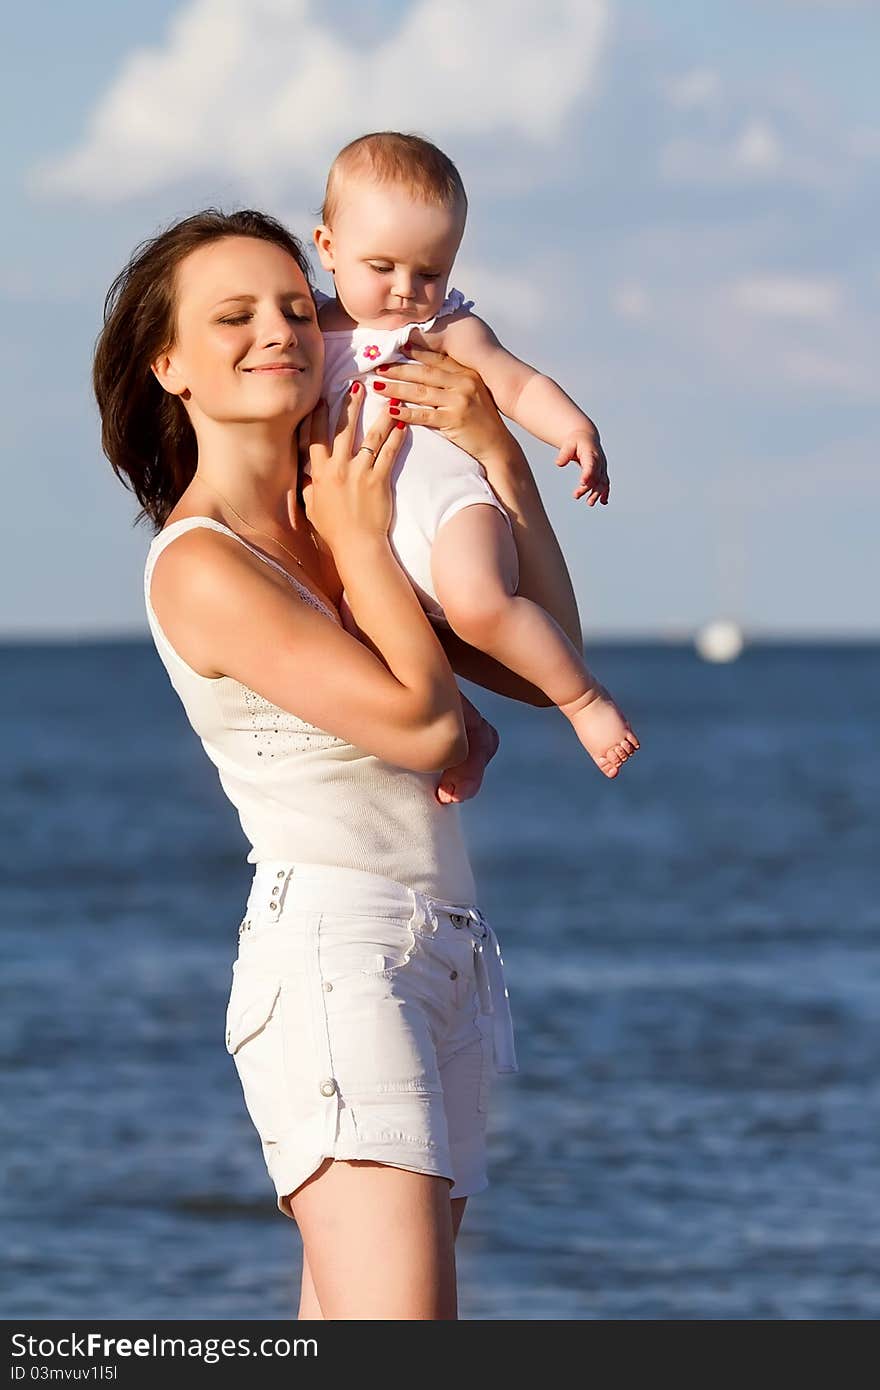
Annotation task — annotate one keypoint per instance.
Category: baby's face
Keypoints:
(391, 255)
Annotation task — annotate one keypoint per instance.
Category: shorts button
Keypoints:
(328, 1087)
(280, 873)
(453, 974)
(273, 907)
(328, 986)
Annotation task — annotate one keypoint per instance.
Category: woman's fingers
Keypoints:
(389, 449)
(435, 416)
(430, 369)
(318, 431)
(415, 392)
(439, 360)
(377, 434)
(346, 424)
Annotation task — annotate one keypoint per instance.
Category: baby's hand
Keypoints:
(583, 447)
(463, 781)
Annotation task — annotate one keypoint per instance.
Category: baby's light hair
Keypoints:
(389, 157)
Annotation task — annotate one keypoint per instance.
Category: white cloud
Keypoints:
(754, 153)
(787, 296)
(845, 374)
(699, 89)
(758, 149)
(263, 91)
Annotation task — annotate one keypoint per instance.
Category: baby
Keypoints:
(393, 218)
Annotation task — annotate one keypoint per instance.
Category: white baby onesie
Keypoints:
(432, 478)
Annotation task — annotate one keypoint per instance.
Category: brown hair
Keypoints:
(145, 432)
(389, 157)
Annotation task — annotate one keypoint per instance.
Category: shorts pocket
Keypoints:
(251, 1005)
(353, 945)
(254, 1039)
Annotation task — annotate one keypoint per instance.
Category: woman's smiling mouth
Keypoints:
(278, 369)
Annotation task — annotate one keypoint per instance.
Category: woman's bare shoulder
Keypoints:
(194, 579)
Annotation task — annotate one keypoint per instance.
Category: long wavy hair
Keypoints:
(145, 432)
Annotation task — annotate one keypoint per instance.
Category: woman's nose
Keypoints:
(279, 329)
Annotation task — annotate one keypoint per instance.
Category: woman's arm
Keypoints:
(227, 614)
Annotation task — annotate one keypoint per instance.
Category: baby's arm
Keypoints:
(525, 395)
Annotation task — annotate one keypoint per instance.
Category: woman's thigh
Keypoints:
(348, 1210)
(309, 1306)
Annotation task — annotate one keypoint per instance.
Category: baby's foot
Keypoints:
(463, 781)
(603, 730)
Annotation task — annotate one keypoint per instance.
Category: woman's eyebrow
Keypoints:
(252, 298)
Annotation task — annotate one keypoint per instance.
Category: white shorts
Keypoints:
(365, 1020)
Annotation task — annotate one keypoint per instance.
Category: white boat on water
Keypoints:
(720, 640)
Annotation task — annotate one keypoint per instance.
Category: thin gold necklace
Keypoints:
(248, 524)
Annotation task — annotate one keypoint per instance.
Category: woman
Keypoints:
(367, 1004)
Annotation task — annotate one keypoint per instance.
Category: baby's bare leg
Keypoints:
(474, 566)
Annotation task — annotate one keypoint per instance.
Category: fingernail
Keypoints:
(355, 387)
(400, 424)
(393, 410)
(378, 385)
(393, 402)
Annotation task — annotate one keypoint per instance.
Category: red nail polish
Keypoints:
(393, 402)
(394, 410)
(355, 387)
(400, 424)
(378, 386)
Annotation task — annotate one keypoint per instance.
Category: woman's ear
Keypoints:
(165, 371)
(324, 243)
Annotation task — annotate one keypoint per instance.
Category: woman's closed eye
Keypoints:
(245, 316)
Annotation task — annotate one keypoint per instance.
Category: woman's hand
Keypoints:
(437, 391)
(466, 413)
(348, 493)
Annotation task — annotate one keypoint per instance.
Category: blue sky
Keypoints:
(674, 212)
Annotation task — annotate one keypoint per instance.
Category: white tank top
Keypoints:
(303, 794)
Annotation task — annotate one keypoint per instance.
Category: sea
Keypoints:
(693, 957)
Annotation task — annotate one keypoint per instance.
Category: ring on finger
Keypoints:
(368, 449)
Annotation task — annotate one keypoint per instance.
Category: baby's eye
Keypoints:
(431, 275)
(239, 318)
(381, 269)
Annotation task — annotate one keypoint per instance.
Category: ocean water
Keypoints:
(693, 956)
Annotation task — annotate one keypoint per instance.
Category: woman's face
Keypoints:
(248, 347)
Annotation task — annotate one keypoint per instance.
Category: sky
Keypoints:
(673, 213)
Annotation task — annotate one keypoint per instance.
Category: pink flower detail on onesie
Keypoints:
(371, 352)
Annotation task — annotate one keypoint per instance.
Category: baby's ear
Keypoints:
(323, 238)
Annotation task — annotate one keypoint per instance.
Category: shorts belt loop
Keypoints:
(279, 881)
(424, 913)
